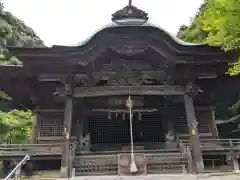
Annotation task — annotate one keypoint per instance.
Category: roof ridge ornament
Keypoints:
(130, 2)
(130, 15)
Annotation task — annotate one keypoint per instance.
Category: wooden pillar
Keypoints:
(235, 161)
(190, 162)
(66, 157)
(234, 158)
(35, 129)
(214, 128)
(193, 132)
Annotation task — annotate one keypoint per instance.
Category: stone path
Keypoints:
(157, 177)
(161, 177)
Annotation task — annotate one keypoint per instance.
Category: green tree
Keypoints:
(194, 33)
(14, 32)
(221, 20)
(15, 125)
(217, 23)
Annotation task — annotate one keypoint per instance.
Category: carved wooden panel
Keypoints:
(130, 48)
(131, 72)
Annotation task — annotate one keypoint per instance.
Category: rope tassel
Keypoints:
(129, 104)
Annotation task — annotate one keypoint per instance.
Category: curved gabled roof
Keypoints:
(113, 33)
(140, 35)
(129, 28)
(115, 25)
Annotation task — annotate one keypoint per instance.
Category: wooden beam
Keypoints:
(108, 74)
(124, 90)
(204, 108)
(124, 110)
(154, 74)
(52, 77)
(49, 110)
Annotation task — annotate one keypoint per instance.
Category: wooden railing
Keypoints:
(56, 148)
(216, 144)
(31, 149)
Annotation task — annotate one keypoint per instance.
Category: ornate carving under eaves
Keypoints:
(127, 72)
(130, 12)
(131, 72)
(68, 90)
(130, 50)
(123, 65)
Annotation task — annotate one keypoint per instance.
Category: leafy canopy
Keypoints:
(216, 23)
(16, 126)
(13, 32)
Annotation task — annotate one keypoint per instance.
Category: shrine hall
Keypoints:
(131, 99)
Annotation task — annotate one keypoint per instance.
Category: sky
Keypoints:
(68, 22)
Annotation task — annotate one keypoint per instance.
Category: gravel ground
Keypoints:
(161, 177)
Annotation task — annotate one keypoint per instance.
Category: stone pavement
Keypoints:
(156, 177)
(162, 177)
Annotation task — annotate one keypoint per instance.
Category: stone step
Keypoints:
(120, 163)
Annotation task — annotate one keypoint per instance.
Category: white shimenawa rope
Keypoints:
(133, 167)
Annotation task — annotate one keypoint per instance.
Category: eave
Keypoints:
(112, 34)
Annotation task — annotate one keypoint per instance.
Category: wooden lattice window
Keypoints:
(51, 124)
(204, 119)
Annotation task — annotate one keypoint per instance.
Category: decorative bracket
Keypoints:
(68, 90)
(192, 89)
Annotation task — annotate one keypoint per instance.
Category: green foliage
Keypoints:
(16, 126)
(216, 23)
(194, 33)
(13, 32)
(221, 20)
